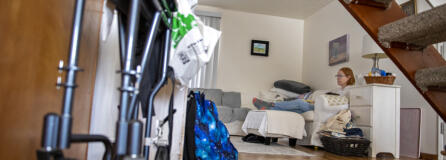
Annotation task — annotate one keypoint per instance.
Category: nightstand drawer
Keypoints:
(362, 116)
(361, 96)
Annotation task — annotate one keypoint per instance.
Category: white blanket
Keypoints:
(271, 123)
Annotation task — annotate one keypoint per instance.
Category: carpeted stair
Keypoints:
(374, 3)
(431, 78)
(418, 30)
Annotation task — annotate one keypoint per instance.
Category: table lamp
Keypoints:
(371, 50)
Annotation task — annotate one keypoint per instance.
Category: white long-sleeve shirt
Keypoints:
(342, 92)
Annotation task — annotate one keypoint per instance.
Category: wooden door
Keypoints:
(34, 36)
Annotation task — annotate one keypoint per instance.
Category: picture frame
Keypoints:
(409, 7)
(338, 51)
(259, 48)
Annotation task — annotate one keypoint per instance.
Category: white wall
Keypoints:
(333, 21)
(238, 70)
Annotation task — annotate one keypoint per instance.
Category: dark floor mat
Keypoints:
(252, 138)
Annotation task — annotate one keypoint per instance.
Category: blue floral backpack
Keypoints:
(209, 138)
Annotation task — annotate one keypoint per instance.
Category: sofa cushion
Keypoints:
(239, 114)
(292, 86)
(225, 113)
(232, 99)
(214, 95)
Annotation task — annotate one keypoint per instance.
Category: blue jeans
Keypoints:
(297, 105)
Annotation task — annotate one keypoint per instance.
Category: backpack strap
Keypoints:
(171, 75)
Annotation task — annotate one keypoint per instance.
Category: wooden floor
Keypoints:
(320, 155)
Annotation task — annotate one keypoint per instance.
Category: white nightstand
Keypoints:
(376, 110)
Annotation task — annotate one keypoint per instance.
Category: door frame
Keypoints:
(440, 137)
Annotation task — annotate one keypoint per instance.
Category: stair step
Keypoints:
(438, 89)
(417, 30)
(374, 3)
(431, 78)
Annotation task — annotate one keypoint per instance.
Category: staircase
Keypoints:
(384, 4)
(410, 30)
(407, 41)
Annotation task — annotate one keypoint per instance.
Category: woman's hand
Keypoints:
(310, 101)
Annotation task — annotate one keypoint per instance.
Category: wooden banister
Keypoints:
(371, 18)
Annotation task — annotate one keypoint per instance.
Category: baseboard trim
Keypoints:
(427, 156)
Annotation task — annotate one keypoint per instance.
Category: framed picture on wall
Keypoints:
(338, 50)
(409, 7)
(259, 48)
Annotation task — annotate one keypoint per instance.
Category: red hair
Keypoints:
(349, 73)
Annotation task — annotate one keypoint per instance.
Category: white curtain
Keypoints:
(207, 75)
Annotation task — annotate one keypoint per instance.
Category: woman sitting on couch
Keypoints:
(345, 79)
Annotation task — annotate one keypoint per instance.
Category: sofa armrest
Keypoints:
(240, 114)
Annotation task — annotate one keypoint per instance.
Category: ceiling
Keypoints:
(298, 9)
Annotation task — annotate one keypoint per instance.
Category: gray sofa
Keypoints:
(229, 108)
